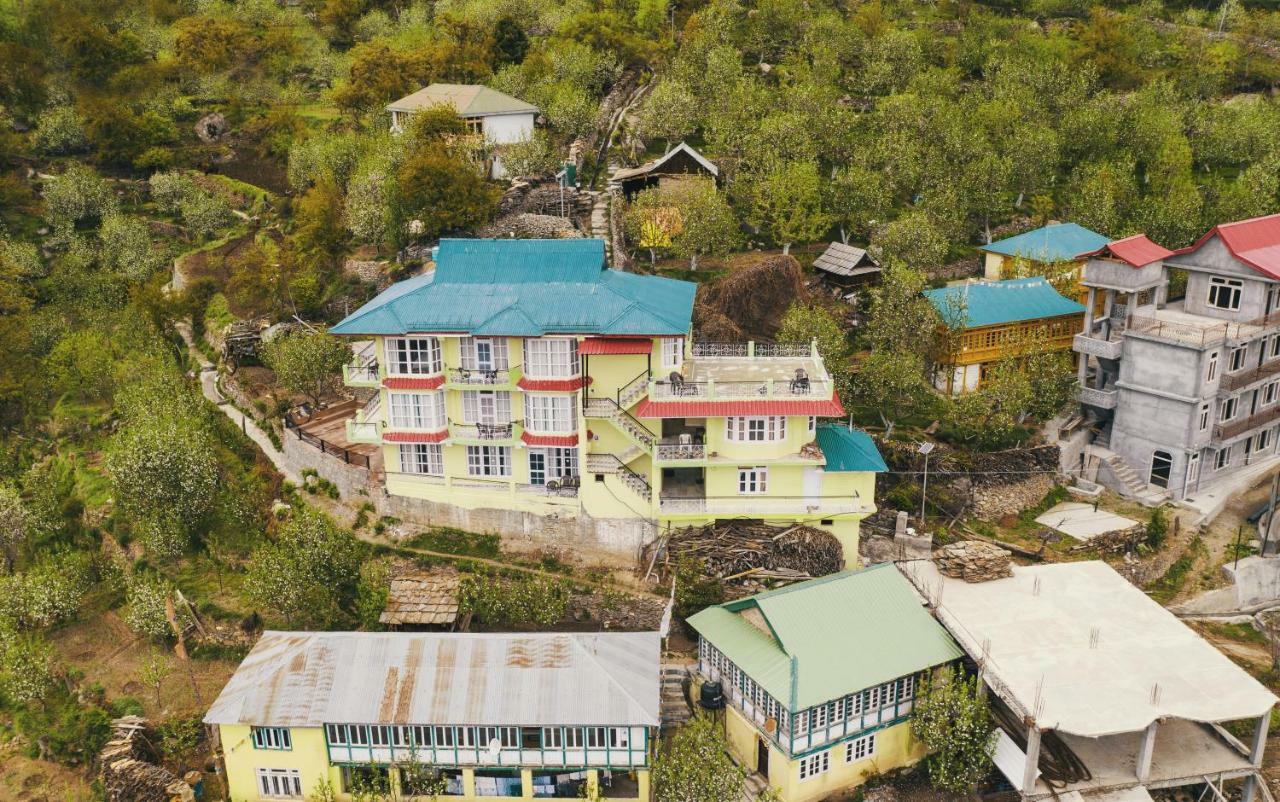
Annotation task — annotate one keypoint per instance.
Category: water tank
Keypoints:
(711, 697)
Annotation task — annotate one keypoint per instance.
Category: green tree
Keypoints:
(510, 43)
(954, 723)
(857, 199)
(670, 112)
(786, 203)
(307, 362)
(913, 240)
(308, 573)
(709, 227)
(14, 522)
(441, 193)
(805, 323)
(695, 766)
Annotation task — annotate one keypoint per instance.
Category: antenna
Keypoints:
(1095, 634)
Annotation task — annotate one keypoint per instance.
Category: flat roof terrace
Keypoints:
(748, 371)
(1175, 324)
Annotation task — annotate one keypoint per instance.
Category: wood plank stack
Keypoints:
(126, 773)
(751, 556)
(973, 561)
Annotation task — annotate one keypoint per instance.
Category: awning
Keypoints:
(559, 440)
(413, 383)
(616, 345)
(416, 437)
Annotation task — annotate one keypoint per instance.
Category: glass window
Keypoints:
(1223, 458)
(445, 736)
(1275, 345)
(489, 460)
(417, 410)
(1269, 393)
(1161, 467)
(595, 738)
(337, 734)
(672, 352)
(816, 764)
(619, 737)
(1229, 407)
(1204, 416)
(486, 406)
(359, 736)
(756, 430)
(413, 356)
(860, 748)
(546, 464)
(1237, 357)
(550, 413)
(271, 738)
(1224, 293)
(552, 738)
(753, 481)
(423, 458)
(551, 358)
(280, 782)
(1212, 372)
(1262, 440)
(483, 353)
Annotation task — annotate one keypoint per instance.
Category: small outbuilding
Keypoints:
(681, 163)
(846, 267)
(423, 598)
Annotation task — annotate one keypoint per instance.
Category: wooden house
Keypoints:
(678, 164)
(845, 267)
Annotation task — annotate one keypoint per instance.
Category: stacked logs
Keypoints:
(972, 561)
(126, 774)
(749, 556)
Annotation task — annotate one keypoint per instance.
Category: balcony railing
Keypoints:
(481, 376)
(716, 390)
(1234, 381)
(1102, 399)
(752, 350)
(1198, 335)
(729, 505)
(1225, 431)
(360, 373)
(1096, 346)
(673, 450)
(483, 431)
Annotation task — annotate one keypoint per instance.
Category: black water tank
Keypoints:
(712, 696)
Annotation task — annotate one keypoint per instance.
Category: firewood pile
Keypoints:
(1121, 541)
(126, 773)
(749, 557)
(973, 561)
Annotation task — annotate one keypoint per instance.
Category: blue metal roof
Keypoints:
(988, 303)
(526, 288)
(849, 449)
(1060, 242)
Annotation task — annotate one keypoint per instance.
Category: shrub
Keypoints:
(1157, 528)
(146, 594)
(530, 601)
(60, 130)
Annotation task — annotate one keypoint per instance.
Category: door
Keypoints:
(813, 486)
(1193, 474)
(484, 355)
(762, 758)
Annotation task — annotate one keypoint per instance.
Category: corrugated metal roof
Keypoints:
(615, 345)
(306, 679)
(1135, 251)
(416, 437)
(845, 260)
(880, 632)
(1255, 241)
(527, 288)
(469, 100)
(1060, 242)
(989, 303)
(625, 173)
(562, 440)
(553, 385)
(848, 449)
(819, 407)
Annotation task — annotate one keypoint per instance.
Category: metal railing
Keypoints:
(768, 388)
(346, 455)
(634, 389)
(481, 376)
(672, 503)
(669, 450)
(1193, 334)
(360, 372)
(1234, 381)
(483, 431)
(752, 350)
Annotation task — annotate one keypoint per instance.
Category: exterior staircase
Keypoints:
(611, 410)
(673, 696)
(1131, 484)
(610, 463)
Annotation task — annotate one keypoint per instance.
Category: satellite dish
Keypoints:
(771, 725)
(495, 748)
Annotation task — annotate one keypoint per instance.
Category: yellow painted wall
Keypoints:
(718, 443)
(609, 372)
(894, 748)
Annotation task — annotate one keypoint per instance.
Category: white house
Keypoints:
(500, 119)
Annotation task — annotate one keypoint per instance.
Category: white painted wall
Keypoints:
(503, 129)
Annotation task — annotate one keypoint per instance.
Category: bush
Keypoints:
(69, 733)
(1157, 528)
(48, 593)
(526, 602)
(60, 130)
(146, 594)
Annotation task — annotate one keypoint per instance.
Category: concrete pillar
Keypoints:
(1088, 310)
(526, 783)
(642, 781)
(1145, 750)
(1033, 761)
(593, 783)
(1256, 749)
(1081, 366)
(1106, 314)
(468, 782)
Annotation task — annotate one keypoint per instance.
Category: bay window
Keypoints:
(550, 413)
(413, 356)
(551, 358)
(417, 410)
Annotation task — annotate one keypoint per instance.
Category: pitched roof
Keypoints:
(885, 633)
(526, 288)
(820, 407)
(650, 166)
(424, 596)
(1256, 242)
(848, 449)
(616, 345)
(306, 679)
(1060, 242)
(988, 303)
(469, 100)
(1135, 251)
(845, 260)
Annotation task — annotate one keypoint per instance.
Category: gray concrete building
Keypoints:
(1181, 393)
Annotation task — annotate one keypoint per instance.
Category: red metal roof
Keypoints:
(822, 408)
(1135, 251)
(416, 437)
(615, 345)
(413, 383)
(549, 439)
(1256, 242)
(552, 385)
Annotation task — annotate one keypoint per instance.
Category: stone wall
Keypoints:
(994, 501)
(353, 482)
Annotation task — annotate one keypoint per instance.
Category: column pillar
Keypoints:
(1106, 314)
(1256, 749)
(1032, 766)
(469, 782)
(1088, 311)
(1146, 750)
(642, 780)
(526, 783)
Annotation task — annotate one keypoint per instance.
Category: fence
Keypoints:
(345, 454)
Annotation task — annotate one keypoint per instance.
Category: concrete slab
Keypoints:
(1210, 501)
(1082, 522)
(1255, 582)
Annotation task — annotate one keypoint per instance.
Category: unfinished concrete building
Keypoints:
(1100, 691)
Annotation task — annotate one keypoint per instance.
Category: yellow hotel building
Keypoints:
(814, 710)
(421, 716)
(526, 377)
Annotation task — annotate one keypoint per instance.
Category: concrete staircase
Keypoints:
(610, 410)
(673, 695)
(1130, 484)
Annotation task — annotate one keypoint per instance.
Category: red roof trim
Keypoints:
(413, 383)
(552, 385)
(615, 345)
(1255, 241)
(416, 437)
(822, 408)
(1136, 251)
(549, 439)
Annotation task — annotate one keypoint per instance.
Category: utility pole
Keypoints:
(1271, 515)
(924, 448)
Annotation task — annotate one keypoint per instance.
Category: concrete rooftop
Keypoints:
(1081, 651)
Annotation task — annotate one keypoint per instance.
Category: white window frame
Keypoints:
(277, 738)
(1222, 459)
(753, 481)
(1204, 415)
(469, 349)
(1224, 293)
(416, 410)
(557, 463)
(413, 356)
(813, 424)
(756, 428)
(280, 783)
(815, 764)
(1211, 372)
(1230, 407)
(1262, 440)
(489, 461)
(486, 406)
(424, 459)
(551, 358)
(1269, 393)
(860, 748)
(1236, 360)
(672, 352)
(550, 413)
(1275, 345)
(619, 738)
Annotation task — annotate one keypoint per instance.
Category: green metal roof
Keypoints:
(1060, 242)
(526, 288)
(849, 449)
(988, 303)
(846, 632)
